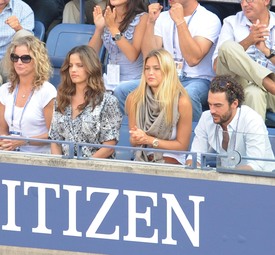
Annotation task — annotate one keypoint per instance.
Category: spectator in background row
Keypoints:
(84, 112)
(15, 15)
(189, 32)
(49, 12)
(71, 13)
(232, 128)
(160, 111)
(26, 101)
(246, 51)
(121, 30)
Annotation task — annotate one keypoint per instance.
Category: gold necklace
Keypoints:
(25, 94)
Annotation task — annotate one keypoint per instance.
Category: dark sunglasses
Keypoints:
(24, 58)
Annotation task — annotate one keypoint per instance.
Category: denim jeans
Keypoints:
(123, 90)
(197, 90)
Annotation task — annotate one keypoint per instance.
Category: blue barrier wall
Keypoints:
(115, 208)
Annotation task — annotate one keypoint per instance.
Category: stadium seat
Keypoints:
(39, 30)
(103, 56)
(61, 39)
(270, 119)
(124, 140)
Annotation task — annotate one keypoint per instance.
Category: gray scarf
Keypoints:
(151, 120)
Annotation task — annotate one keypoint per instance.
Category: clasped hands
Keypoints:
(258, 34)
(138, 136)
(10, 144)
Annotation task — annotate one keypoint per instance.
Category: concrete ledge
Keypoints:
(180, 176)
(131, 167)
(8, 250)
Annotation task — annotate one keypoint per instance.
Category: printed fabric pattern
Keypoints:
(95, 127)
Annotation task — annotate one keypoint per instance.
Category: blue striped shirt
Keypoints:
(25, 16)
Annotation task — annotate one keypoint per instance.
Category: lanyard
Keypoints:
(25, 106)
(174, 36)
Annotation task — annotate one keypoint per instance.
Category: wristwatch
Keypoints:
(117, 37)
(155, 143)
(272, 54)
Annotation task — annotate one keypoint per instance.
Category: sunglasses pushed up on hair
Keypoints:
(24, 58)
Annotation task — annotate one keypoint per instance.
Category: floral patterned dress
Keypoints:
(95, 127)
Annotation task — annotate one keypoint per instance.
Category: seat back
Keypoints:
(270, 119)
(39, 30)
(103, 56)
(124, 140)
(61, 39)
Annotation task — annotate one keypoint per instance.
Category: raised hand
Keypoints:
(14, 23)
(177, 13)
(110, 17)
(98, 17)
(154, 11)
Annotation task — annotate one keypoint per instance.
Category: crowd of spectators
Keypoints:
(162, 64)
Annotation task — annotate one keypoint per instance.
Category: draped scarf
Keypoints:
(151, 119)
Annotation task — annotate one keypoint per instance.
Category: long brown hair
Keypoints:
(95, 86)
(133, 7)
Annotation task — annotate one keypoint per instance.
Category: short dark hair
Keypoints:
(227, 84)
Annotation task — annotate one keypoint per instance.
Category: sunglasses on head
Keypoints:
(24, 58)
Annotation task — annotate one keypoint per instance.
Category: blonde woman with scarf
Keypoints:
(160, 111)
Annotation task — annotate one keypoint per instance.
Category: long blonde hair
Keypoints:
(169, 88)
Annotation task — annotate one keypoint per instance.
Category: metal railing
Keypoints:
(208, 160)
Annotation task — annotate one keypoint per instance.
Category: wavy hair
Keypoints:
(95, 86)
(133, 7)
(39, 55)
(168, 89)
(232, 89)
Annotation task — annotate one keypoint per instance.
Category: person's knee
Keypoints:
(228, 47)
(118, 92)
(256, 99)
(254, 93)
(198, 94)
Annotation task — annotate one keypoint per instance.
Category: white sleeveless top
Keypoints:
(179, 157)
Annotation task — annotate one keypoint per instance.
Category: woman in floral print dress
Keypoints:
(84, 111)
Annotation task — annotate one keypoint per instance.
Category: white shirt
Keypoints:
(236, 28)
(33, 120)
(178, 156)
(202, 23)
(248, 135)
